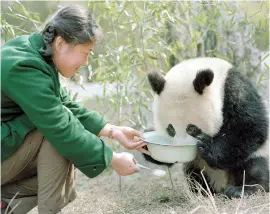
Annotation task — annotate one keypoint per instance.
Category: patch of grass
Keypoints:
(144, 194)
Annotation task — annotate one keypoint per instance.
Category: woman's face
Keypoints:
(68, 58)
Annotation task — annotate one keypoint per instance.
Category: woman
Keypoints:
(43, 132)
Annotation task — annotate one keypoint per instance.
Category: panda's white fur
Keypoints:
(181, 99)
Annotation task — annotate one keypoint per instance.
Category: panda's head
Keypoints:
(190, 93)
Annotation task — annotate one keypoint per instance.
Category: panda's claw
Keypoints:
(202, 149)
(205, 153)
(200, 146)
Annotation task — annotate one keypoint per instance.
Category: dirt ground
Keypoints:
(143, 193)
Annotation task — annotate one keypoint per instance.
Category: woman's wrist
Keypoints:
(114, 159)
(107, 131)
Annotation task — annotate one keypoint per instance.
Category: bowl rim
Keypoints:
(165, 144)
(184, 145)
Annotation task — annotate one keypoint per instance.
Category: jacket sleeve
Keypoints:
(34, 91)
(91, 120)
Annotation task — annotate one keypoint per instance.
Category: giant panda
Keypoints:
(206, 98)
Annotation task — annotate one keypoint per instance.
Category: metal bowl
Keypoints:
(169, 150)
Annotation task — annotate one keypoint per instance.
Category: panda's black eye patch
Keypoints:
(170, 130)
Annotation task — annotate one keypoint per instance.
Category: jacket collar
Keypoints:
(36, 41)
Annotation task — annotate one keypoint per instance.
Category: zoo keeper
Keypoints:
(44, 134)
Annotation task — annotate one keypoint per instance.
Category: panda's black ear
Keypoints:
(157, 82)
(203, 79)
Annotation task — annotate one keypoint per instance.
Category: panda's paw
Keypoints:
(202, 148)
(233, 192)
(237, 191)
(205, 152)
(193, 130)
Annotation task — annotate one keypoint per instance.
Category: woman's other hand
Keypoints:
(124, 163)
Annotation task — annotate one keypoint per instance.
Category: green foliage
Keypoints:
(25, 20)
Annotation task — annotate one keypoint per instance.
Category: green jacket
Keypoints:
(32, 98)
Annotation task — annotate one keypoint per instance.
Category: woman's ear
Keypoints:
(60, 45)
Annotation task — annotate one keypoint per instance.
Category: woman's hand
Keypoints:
(128, 137)
(124, 163)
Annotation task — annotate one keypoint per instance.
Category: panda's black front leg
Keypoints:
(204, 144)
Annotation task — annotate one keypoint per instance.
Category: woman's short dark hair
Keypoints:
(74, 23)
